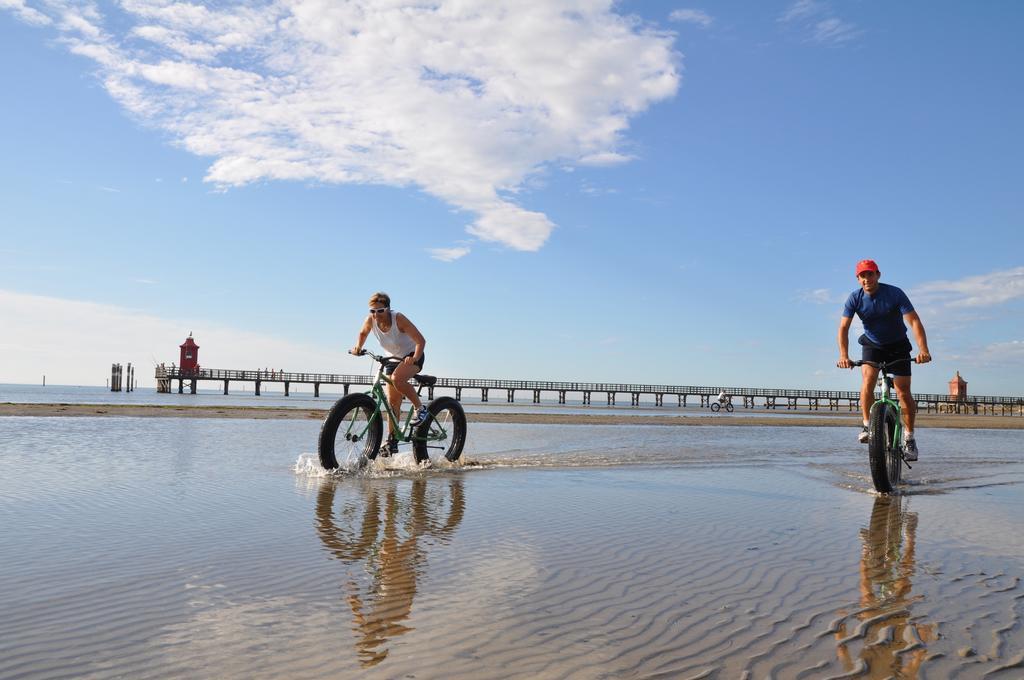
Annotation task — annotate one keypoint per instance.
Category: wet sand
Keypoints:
(201, 547)
(742, 418)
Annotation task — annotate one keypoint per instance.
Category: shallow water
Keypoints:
(145, 547)
(302, 398)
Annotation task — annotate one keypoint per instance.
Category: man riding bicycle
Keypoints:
(400, 337)
(886, 312)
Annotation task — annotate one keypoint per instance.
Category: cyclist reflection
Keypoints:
(381, 527)
(893, 644)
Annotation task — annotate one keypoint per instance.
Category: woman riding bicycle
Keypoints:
(397, 335)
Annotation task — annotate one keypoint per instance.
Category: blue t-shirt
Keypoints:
(881, 313)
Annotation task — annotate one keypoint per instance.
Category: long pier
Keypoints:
(748, 397)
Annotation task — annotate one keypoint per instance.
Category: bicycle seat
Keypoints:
(425, 380)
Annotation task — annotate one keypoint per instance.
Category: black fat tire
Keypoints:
(448, 412)
(715, 407)
(340, 413)
(883, 450)
(729, 408)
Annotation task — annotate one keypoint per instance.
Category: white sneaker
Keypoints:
(864, 435)
(421, 416)
(910, 449)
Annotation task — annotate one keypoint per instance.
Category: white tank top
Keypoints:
(394, 341)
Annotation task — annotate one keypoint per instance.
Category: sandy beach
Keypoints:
(751, 418)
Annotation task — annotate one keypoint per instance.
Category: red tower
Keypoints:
(958, 388)
(189, 355)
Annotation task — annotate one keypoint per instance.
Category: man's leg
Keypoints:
(909, 408)
(867, 390)
(907, 403)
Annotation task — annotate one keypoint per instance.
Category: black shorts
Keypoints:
(891, 352)
(390, 367)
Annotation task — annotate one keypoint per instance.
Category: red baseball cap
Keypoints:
(866, 266)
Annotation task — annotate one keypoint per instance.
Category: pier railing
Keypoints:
(769, 398)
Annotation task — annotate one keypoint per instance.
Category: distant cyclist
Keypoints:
(399, 337)
(886, 312)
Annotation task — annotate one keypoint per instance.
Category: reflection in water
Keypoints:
(381, 528)
(893, 644)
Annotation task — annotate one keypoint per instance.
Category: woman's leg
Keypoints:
(405, 370)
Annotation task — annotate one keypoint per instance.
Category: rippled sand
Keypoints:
(136, 547)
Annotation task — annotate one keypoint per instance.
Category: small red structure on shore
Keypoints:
(958, 388)
(189, 355)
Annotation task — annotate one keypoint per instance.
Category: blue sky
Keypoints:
(634, 191)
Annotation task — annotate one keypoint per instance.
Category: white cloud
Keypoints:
(1002, 353)
(834, 31)
(74, 343)
(25, 13)
(588, 188)
(448, 254)
(819, 23)
(605, 158)
(465, 100)
(802, 9)
(821, 296)
(692, 16)
(983, 290)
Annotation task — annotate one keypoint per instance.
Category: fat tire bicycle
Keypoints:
(716, 407)
(354, 427)
(885, 432)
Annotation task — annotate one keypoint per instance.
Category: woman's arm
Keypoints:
(364, 332)
(409, 328)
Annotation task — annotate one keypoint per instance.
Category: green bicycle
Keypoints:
(352, 432)
(885, 432)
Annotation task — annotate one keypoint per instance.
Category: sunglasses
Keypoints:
(379, 311)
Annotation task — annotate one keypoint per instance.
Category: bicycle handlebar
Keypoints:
(376, 357)
(877, 364)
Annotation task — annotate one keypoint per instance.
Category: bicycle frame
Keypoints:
(885, 382)
(403, 432)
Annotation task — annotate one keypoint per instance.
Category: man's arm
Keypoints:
(914, 321)
(410, 329)
(364, 332)
(844, 342)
